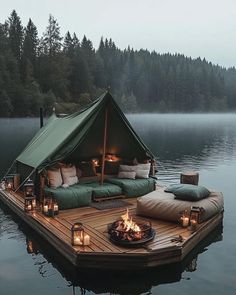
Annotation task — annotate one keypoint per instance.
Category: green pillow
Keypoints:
(188, 192)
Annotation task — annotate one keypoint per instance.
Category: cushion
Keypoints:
(162, 205)
(146, 166)
(134, 187)
(127, 168)
(54, 177)
(105, 190)
(87, 169)
(127, 174)
(69, 175)
(72, 197)
(111, 167)
(188, 192)
(142, 173)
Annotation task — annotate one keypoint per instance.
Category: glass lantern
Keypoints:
(50, 206)
(9, 182)
(194, 217)
(29, 188)
(77, 234)
(30, 203)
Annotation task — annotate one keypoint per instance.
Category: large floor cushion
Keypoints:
(72, 197)
(162, 205)
(104, 190)
(134, 187)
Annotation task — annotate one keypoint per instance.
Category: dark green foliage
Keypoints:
(68, 72)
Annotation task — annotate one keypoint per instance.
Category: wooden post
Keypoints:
(189, 178)
(41, 117)
(104, 146)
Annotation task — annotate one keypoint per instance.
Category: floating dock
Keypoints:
(102, 253)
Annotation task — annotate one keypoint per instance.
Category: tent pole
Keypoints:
(104, 146)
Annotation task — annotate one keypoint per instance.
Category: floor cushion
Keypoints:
(134, 187)
(188, 192)
(162, 205)
(105, 190)
(72, 197)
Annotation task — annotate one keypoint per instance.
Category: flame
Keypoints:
(128, 223)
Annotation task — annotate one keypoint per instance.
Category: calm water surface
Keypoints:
(205, 143)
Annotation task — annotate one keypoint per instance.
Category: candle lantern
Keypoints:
(95, 162)
(30, 203)
(29, 188)
(50, 206)
(194, 217)
(9, 182)
(77, 234)
(185, 218)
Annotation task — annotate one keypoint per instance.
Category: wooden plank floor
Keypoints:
(101, 252)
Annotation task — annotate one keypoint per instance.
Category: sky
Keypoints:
(205, 28)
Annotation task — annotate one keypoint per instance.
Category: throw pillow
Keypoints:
(188, 192)
(67, 172)
(146, 166)
(142, 173)
(127, 168)
(71, 180)
(88, 169)
(54, 178)
(127, 174)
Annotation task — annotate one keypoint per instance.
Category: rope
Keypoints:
(9, 169)
(24, 180)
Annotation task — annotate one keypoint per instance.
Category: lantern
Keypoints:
(29, 188)
(30, 203)
(77, 234)
(95, 162)
(9, 183)
(185, 218)
(50, 206)
(194, 217)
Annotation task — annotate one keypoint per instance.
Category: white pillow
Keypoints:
(71, 180)
(54, 177)
(127, 168)
(142, 174)
(67, 172)
(146, 166)
(127, 174)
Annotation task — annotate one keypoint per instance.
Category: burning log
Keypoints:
(128, 231)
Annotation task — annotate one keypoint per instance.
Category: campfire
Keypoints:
(129, 231)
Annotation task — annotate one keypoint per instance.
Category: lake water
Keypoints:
(203, 143)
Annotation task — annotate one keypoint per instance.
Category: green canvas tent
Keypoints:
(99, 129)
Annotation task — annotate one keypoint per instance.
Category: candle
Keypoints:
(185, 221)
(29, 207)
(55, 208)
(9, 185)
(45, 208)
(77, 241)
(34, 203)
(86, 240)
(193, 224)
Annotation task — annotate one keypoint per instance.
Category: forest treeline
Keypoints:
(68, 73)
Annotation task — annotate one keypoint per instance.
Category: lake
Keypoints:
(203, 143)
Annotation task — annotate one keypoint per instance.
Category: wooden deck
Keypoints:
(101, 253)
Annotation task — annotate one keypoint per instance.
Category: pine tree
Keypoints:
(51, 41)
(15, 34)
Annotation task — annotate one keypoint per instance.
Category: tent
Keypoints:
(96, 131)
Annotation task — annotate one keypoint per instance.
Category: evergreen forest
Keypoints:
(68, 73)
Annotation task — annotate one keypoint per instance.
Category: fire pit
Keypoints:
(129, 231)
